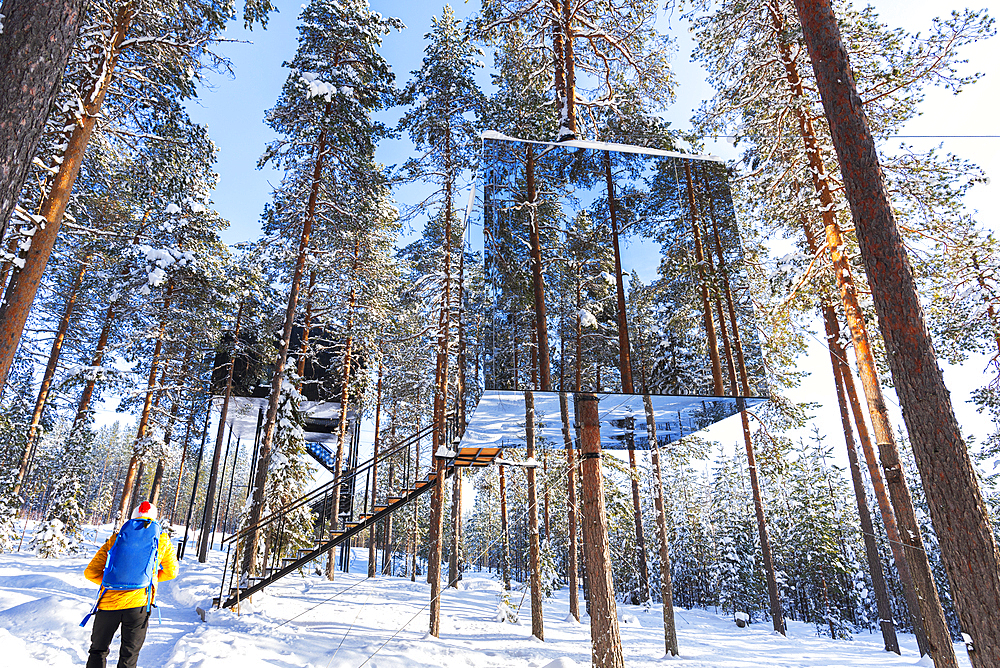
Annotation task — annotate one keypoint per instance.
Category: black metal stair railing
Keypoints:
(419, 480)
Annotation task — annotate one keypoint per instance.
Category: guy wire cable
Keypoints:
(420, 611)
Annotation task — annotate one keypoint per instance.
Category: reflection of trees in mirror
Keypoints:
(626, 266)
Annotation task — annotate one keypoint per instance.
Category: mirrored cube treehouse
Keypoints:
(617, 271)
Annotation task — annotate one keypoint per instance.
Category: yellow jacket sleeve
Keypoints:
(168, 559)
(95, 569)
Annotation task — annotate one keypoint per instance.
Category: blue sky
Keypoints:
(234, 110)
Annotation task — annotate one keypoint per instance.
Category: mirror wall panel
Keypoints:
(615, 270)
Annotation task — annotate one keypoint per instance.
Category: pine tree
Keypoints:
(35, 42)
(289, 478)
(326, 147)
(121, 37)
(61, 532)
(595, 47)
(444, 92)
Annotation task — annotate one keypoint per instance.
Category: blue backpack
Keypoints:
(133, 561)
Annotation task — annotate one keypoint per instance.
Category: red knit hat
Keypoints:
(145, 511)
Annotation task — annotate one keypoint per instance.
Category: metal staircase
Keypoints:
(277, 566)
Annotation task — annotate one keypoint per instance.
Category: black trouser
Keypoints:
(134, 623)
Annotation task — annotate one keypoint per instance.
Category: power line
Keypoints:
(894, 137)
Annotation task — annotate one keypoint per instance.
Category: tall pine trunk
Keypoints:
(571, 567)
(436, 529)
(666, 581)
(541, 330)
(83, 405)
(534, 542)
(49, 374)
(713, 344)
(35, 45)
(20, 294)
(569, 65)
(837, 357)
(923, 601)
(625, 368)
(306, 326)
(605, 636)
(175, 406)
(345, 393)
(559, 58)
(777, 615)
(182, 462)
(147, 404)
(213, 476)
(375, 445)
(968, 546)
(454, 564)
(504, 531)
(249, 565)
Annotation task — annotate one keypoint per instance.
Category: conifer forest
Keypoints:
(499, 313)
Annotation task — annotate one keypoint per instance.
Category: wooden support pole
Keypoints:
(605, 636)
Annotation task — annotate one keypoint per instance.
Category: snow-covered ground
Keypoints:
(382, 623)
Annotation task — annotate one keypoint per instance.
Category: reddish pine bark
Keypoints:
(541, 330)
(837, 357)
(713, 343)
(571, 567)
(918, 581)
(569, 65)
(49, 374)
(624, 355)
(968, 547)
(35, 45)
(306, 326)
(436, 530)
(147, 404)
(249, 565)
(605, 636)
(20, 294)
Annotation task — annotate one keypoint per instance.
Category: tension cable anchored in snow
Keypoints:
(420, 611)
(349, 628)
(342, 591)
